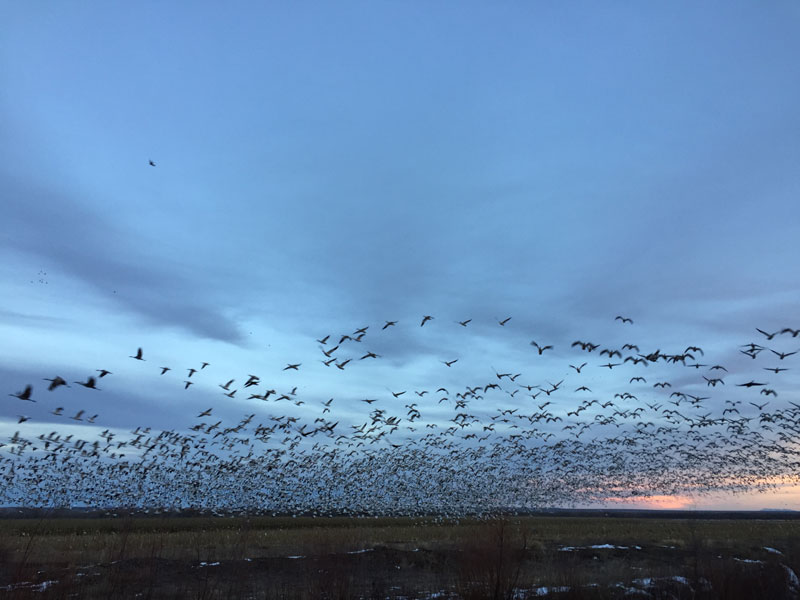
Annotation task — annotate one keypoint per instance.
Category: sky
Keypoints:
(321, 168)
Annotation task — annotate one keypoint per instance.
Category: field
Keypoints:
(513, 557)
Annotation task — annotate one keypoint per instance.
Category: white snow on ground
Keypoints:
(361, 551)
(295, 556)
(34, 587)
(596, 547)
(648, 581)
(794, 582)
(544, 590)
(749, 560)
(772, 550)
(205, 564)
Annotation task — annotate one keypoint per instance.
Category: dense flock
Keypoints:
(662, 422)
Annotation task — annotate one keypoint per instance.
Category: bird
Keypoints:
(465, 323)
(294, 367)
(578, 369)
(425, 319)
(769, 336)
(623, 319)
(205, 413)
(187, 383)
(138, 355)
(504, 321)
(450, 363)
(58, 411)
(164, 369)
(78, 415)
(90, 383)
(782, 355)
(55, 382)
(25, 394)
(541, 349)
(152, 164)
(204, 365)
(22, 419)
(103, 372)
(389, 324)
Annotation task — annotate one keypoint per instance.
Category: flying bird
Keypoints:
(90, 383)
(623, 319)
(425, 319)
(152, 164)
(55, 382)
(138, 355)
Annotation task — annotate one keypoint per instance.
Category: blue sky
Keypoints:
(326, 167)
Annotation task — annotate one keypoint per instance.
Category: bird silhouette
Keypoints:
(24, 394)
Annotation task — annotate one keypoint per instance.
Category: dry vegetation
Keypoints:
(515, 557)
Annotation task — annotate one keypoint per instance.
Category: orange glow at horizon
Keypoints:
(656, 502)
(782, 497)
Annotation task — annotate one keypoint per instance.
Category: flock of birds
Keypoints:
(674, 423)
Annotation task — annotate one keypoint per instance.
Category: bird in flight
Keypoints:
(578, 369)
(541, 349)
(750, 384)
(25, 394)
(389, 324)
(164, 369)
(89, 383)
(504, 321)
(623, 319)
(103, 372)
(425, 319)
(55, 382)
(450, 363)
(465, 323)
(152, 164)
(138, 355)
(295, 367)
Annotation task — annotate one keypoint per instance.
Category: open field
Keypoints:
(515, 557)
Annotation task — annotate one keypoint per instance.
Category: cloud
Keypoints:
(107, 257)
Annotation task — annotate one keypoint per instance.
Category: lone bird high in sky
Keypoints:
(546, 241)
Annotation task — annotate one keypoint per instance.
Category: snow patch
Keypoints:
(794, 582)
(361, 551)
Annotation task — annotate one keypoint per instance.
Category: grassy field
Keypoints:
(519, 557)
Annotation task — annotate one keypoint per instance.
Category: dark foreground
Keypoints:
(516, 557)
